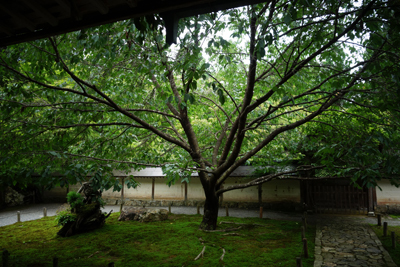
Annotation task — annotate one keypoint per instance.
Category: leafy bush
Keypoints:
(65, 216)
(74, 199)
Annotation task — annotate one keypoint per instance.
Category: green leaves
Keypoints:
(55, 154)
(287, 19)
(290, 15)
(189, 98)
(125, 100)
(260, 49)
(219, 91)
(221, 96)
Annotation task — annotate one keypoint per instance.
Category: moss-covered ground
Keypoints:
(175, 242)
(387, 241)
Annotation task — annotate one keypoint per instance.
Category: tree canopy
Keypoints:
(311, 81)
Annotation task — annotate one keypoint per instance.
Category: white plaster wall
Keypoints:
(249, 194)
(195, 189)
(111, 194)
(163, 191)
(273, 191)
(389, 194)
(143, 191)
(281, 190)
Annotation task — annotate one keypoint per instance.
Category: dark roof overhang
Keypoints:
(27, 20)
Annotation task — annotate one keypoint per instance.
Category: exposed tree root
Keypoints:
(201, 254)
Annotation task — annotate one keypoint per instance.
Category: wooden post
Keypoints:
(44, 212)
(55, 262)
(221, 197)
(260, 194)
(153, 181)
(261, 212)
(393, 235)
(303, 233)
(385, 228)
(198, 209)
(379, 220)
(227, 211)
(298, 262)
(370, 201)
(5, 256)
(186, 195)
(169, 207)
(122, 192)
(304, 221)
(111, 264)
(18, 216)
(121, 206)
(305, 247)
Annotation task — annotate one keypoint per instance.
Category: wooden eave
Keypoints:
(27, 20)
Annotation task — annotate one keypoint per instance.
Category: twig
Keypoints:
(253, 224)
(201, 254)
(223, 254)
(231, 223)
(93, 254)
(108, 214)
(232, 234)
(224, 230)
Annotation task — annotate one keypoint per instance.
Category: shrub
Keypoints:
(64, 217)
(74, 199)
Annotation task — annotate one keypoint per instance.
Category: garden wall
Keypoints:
(388, 199)
(153, 191)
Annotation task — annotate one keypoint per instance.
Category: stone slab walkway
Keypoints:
(344, 242)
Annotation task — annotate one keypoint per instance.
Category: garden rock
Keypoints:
(13, 198)
(143, 214)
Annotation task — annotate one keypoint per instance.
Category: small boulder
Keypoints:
(13, 198)
(143, 214)
(155, 215)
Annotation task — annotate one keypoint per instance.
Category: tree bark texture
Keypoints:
(210, 215)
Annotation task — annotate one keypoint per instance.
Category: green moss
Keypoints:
(387, 241)
(174, 242)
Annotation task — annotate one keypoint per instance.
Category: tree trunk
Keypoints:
(210, 212)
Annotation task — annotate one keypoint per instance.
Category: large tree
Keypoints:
(251, 85)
